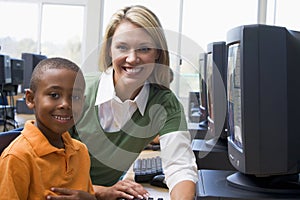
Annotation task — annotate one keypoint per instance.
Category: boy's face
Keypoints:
(58, 101)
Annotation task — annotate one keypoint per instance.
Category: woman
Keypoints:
(129, 104)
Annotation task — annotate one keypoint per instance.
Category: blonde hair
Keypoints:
(146, 19)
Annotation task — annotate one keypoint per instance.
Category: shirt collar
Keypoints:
(41, 145)
(106, 91)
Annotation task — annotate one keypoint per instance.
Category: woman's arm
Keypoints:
(184, 190)
(179, 164)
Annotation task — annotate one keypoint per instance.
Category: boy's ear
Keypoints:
(29, 96)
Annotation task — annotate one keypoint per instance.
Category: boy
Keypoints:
(44, 157)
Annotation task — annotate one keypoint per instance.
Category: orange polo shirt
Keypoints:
(30, 166)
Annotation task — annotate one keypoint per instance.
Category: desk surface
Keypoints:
(213, 185)
(155, 192)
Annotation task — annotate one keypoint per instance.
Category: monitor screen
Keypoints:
(202, 90)
(263, 107)
(216, 93)
(234, 95)
(209, 77)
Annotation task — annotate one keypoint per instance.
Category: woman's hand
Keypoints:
(123, 189)
(64, 193)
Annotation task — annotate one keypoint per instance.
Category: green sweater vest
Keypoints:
(112, 153)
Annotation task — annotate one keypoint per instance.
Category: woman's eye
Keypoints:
(122, 47)
(144, 49)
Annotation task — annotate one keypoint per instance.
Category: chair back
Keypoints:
(7, 137)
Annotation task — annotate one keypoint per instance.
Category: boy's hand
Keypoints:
(64, 193)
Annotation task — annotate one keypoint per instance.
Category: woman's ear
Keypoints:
(29, 96)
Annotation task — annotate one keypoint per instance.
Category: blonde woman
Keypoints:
(128, 104)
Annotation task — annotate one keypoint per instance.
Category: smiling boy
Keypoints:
(44, 156)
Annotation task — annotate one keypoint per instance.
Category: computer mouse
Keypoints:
(159, 180)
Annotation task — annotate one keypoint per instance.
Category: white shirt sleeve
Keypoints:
(178, 159)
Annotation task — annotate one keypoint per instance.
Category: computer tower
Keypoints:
(5, 69)
(17, 71)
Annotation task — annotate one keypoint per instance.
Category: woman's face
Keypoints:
(133, 55)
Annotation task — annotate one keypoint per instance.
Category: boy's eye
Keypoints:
(54, 95)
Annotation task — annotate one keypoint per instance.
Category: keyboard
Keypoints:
(145, 169)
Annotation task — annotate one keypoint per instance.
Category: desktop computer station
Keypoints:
(15, 73)
(250, 150)
(11, 74)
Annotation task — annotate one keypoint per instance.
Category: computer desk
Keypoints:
(213, 185)
(155, 192)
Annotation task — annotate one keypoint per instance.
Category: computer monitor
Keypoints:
(216, 69)
(263, 107)
(30, 61)
(17, 74)
(17, 71)
(194, 112)
(5, 69)
(202, 90)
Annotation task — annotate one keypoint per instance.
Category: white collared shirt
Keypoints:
(113, 113)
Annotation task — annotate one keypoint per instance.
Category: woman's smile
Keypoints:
(133, 70)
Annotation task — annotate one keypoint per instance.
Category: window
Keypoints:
(62, 28)
(18, 34)
(287, 14)
(49, 29)
(206, 21)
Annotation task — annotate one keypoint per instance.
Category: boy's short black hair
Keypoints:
(51, 63)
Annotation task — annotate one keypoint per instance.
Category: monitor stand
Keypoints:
(282, 184)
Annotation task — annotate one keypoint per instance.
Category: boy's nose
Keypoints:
(66, 104)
